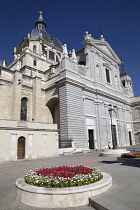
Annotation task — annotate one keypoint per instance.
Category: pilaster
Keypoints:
(36, 99)
(16, 99)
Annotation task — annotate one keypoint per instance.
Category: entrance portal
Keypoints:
(91, 139)
(114, 136)
(21, 148)
(130, 137)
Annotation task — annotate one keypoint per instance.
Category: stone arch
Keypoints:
(21, 147)
(53, 105)
(123, 83)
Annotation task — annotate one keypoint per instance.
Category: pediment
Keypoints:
(106, 48)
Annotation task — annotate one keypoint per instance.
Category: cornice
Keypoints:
(92, 89)
(27, 87)
(31, 68)
(136, 121)
(27, 129)
(5, 82)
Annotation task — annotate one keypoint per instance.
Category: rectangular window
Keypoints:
(107, 75)
(51, 55)
(34, 62)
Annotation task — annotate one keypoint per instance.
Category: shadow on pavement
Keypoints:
(133, 164)
(108, 161)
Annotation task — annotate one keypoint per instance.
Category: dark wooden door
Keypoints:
(114, 136)
(130, 137)
(21, 148)
(91, 139)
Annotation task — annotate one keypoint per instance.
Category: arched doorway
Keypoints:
(113, 116)
(21, 148)
(53, 105)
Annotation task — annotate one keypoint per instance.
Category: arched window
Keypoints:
(34, 62)
(123, 83)
(82, 63)
(23, 112)
(97, 69)
(51, 55)
(34, 48)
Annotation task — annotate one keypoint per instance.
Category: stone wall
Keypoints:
(41, 140)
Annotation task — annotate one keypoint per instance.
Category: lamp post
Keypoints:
(112, 133)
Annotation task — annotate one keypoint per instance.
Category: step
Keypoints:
(103, 202)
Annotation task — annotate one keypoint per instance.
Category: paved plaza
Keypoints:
(125, 190)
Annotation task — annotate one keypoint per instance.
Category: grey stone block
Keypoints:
(104, 203)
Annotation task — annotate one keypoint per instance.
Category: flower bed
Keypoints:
(49, 197)
(63, 176)
(131, 155)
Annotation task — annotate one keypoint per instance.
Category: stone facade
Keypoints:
(136, 117)
(50, 98)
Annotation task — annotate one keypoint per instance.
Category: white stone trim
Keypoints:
(14, 145)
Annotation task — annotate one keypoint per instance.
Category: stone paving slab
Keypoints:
(105, 204)
(10, 172)
(125, 191)
(126, 181)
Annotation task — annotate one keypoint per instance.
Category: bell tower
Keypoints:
(126, 81)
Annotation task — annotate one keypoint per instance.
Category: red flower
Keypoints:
(64, 171)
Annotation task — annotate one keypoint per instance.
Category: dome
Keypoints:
(46, 36)
(39, 31)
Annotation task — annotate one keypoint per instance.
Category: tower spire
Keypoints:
(40, 16)
(123, 72)
(40, 23)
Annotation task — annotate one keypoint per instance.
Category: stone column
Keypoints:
(125, 127)
(108, 125)
(119, 126)
(133, 135)
(98, 120)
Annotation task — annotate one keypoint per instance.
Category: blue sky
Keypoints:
(68, 20)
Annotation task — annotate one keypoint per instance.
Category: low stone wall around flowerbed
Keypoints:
(122, 160)
(60, 197)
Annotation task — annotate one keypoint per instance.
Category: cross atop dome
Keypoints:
(40, 17)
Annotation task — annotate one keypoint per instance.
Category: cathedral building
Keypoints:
(53, 101)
